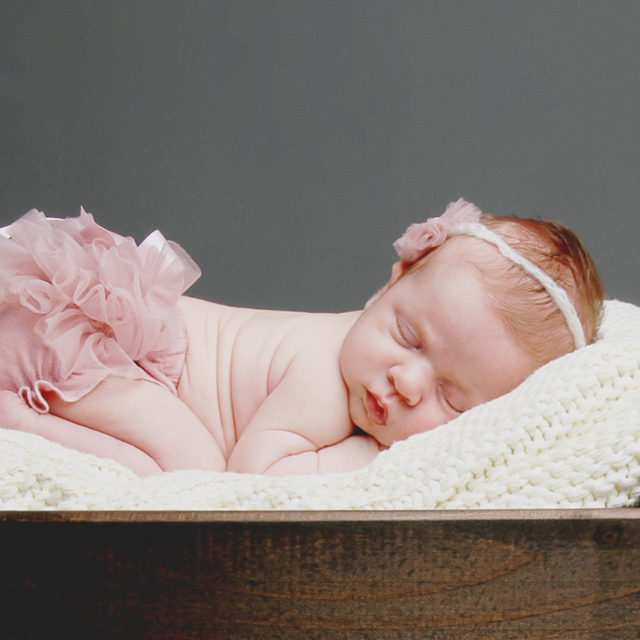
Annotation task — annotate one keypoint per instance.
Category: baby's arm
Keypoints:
(276, 452)
(147, 417)
(300, 428)
(352, 453)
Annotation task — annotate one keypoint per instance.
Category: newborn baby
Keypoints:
(101, 353)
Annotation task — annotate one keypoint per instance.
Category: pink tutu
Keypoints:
(79, 303)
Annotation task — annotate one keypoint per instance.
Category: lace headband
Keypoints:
(461, 218)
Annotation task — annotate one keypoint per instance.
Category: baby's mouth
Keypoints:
(376, 411)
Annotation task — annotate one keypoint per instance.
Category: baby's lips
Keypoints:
(376, 409)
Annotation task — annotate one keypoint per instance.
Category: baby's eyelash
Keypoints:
(400, 332)
(451, 404)
(407, 340)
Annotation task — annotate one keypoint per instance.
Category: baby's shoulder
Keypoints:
(313, 342)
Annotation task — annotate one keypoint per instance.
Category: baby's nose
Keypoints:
(412, 382)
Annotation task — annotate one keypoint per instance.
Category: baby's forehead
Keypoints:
(465, 250)
(459, 267)
(456, 272)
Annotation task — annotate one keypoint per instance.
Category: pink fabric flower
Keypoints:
(420, 237)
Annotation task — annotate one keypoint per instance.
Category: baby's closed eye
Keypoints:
(406, 335)
(450, 397)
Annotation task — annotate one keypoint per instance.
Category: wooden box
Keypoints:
(570, 574)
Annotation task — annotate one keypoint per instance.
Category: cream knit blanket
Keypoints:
(567, 437)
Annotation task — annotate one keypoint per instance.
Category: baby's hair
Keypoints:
(521, 300)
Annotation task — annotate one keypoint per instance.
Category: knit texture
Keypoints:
(567, 437)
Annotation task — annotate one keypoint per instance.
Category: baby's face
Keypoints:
(428, 349)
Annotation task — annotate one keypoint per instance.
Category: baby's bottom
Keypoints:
(139, 424)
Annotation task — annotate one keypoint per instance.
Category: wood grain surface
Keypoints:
(467, 574)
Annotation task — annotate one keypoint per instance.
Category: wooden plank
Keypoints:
(319, 516)
(486, 575)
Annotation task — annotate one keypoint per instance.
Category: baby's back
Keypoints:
(236, 357)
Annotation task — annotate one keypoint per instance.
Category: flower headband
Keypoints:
(461, 218)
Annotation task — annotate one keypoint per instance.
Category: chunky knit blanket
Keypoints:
(567, 437)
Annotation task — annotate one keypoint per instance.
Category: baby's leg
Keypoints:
(149, 418)
(16, 414)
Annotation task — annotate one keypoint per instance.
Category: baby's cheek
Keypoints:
(421, 424)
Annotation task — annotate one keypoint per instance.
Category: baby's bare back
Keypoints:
(266, 384)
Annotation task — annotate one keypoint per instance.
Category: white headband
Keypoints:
(557, 293)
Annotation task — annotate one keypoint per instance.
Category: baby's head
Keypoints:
(537, 275)
(473, 307)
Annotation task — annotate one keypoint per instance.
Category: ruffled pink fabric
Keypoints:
(420, 237)
(102, 301)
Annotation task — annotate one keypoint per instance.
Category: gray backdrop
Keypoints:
(286, 144)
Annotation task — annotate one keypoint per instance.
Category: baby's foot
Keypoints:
(15, 413)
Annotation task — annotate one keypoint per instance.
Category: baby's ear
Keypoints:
(397, 270)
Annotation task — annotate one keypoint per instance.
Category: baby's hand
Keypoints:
(351, 454)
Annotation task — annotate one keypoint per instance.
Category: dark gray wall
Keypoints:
(285, 145)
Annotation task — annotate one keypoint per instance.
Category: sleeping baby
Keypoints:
(102, 353)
